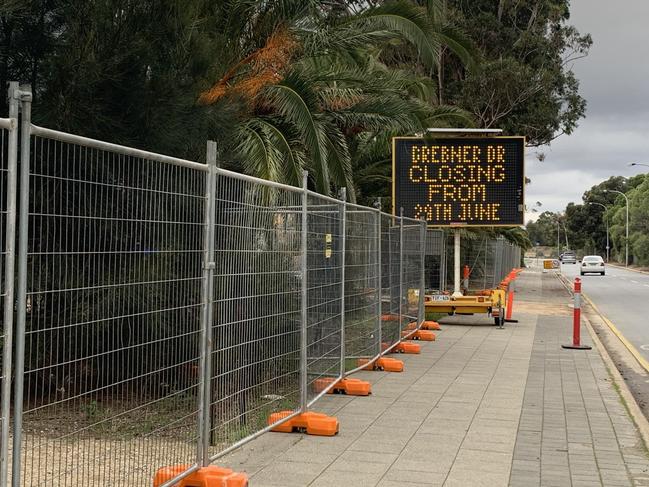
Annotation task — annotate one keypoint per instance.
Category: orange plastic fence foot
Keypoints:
(430, 325)
(311, 423)
(389, 364)
(411, 326)
(407, 347)
(382, 363)
(351, 387)
(423, 335)
(389, 317)
(211, 476)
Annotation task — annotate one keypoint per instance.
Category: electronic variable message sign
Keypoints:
(459, 181)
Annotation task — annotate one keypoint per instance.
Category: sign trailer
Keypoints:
(468, 179)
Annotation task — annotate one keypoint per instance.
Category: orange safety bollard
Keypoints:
(509, 309)
(211, 476)
(576, 320)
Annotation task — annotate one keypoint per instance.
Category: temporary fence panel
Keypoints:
(8, 178)
(165, 308)
(435, 260)
(256, 329)
(412, 265)
(488, 259)
(324, 282)
(362, 286)
(111, 314)
(390, 285)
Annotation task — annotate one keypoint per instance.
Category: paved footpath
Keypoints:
(479, 407)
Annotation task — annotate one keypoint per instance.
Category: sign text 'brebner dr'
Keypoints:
(460, 181)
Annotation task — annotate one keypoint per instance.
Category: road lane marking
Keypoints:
(646, 285)
(634, 351)
(634, 282)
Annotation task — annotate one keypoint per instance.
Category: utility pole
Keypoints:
(626, 199)
(606, 223)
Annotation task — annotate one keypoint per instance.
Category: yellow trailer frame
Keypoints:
(492, 303)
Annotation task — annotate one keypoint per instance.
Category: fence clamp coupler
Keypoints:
(209, 266)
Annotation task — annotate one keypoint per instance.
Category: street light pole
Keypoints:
(606, 222)
(626, 259)
(638, 164)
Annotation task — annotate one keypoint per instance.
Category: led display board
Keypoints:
(459, 181)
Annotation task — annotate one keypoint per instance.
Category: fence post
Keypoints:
(304, 289)
(10, 251)
(400, 268)
(25, 95)
(343, 240)
(379, 279)
(207, 312)
(422, 287)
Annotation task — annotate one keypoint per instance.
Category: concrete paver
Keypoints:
(480, 406)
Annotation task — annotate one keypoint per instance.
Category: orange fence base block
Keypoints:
(389, 364)
(389, 317)
(411, 326)
(430, 325)
(383, 363)
(423, 335)
(211, 476)
(407, 347)
(351, 387)
(311, 423)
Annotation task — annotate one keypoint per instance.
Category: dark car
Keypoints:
(568, 257)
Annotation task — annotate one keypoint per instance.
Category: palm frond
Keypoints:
(296, 101)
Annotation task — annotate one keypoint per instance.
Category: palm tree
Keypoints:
(316, 80)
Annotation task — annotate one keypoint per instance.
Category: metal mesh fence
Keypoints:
(325, 262)
(435, 260)
(362, 287)
(390, 275)
(112, 330)
(166, 309)
(257, 308)
(488, 259)
(411, 271)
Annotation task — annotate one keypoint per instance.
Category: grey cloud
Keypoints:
(615, 82)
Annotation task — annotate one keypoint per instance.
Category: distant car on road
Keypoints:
(568, 257)
(592, 264)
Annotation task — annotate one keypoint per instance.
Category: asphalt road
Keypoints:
(623, 297)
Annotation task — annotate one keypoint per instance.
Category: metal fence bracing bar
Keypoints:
(167, 311)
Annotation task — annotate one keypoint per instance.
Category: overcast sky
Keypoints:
(614, 79)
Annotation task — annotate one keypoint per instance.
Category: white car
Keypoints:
(592, 264)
